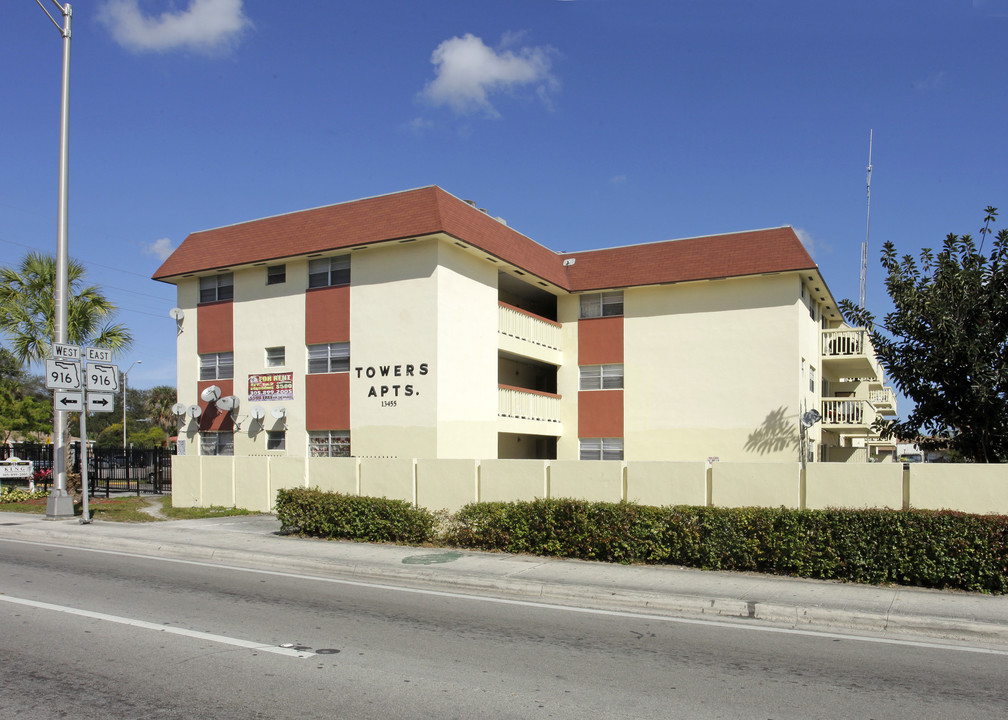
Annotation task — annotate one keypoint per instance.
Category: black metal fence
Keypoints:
(143, 471)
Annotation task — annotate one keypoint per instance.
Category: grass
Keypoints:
(129, 509)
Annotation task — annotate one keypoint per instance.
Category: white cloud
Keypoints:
(159, 248)
(811, 244)
(203, 25)
(467, 72)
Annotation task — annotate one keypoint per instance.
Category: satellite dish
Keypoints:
(278, 412)
(195, 411)
(258, 413)
(178, 409)
(176, 314)
(228, 403)
(211, 394)
(810, 418)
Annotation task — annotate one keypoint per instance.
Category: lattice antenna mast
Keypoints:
(864, 245)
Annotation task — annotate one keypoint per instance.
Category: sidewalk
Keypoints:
(252, 542)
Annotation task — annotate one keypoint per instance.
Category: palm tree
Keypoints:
(161, 400)
(28, 310)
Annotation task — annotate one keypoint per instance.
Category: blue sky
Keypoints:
(583, 123)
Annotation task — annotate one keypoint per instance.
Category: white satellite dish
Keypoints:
(258, 413)
(810, 418)
(176, 314)
(195, 411)
(178, 409)
(228, 403)
(278, 412)
(211, 394)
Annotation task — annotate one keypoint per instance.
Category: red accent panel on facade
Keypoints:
(600, 413)
(327, 401)
(327, 316)
(600, 341)
(213, 419)
(215, 327)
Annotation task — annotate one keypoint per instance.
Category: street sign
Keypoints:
(102, 377)
(97, 355)
(100, 402)
(62, 374)
(68, 401)
(62, 351)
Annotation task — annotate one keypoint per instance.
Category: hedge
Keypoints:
(940, 549)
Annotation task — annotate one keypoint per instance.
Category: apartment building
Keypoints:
(417, 325)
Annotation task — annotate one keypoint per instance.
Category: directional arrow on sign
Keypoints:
(69, 401)
(100, 402)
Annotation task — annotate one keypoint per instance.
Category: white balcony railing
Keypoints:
(848, 353)
(523, 404)
(517, 323)
(883, 398)
(848, 413)
(846, 342)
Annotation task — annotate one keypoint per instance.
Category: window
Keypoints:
(601, 377)
(276, 356)
(276, 440)
(605, 304)
(325, 272)
(216, 366)
(276, 274)
(331, 358)
(601, 448)
(811, 379)
(216, 287)
(216, 443)
(329, 443)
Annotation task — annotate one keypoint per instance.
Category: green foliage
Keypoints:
(945, 343)
(19, 495)
(22, 410)
(334, 515)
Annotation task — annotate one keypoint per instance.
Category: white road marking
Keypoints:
(723, 624)
(238, 642)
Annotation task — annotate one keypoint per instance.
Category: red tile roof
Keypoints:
(429, 210)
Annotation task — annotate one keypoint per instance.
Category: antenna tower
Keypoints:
(864, 245)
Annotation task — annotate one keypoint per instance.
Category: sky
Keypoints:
(582, 123)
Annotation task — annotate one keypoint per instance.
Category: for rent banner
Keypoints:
(271, 386)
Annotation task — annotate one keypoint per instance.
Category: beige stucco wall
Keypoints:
(755, 484)
(218, 479)
(252, 484)
(186, 479)
(270, 316)
(289, 472)
(711, 370)
(600, 481)
(512, 480)
(867, 485)
(445, 484)
(666, 483)
(388, 477)
(187, 363)
(340, 475)
(968, 488)
(567, 377)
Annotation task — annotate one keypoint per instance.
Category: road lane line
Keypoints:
(723, 624)
(133, 622)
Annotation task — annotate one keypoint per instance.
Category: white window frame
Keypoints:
(600, 448)
(217, 443)
(601, 377)
(334, 356)
(329, 443)
(329, 271)
(216, 366)
(276, 356)
(213, 288)
(604, 304)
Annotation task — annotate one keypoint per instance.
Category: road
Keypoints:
(112, 635)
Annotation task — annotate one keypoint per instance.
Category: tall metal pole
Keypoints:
(125, 375)
(60, 504)
(864, 245)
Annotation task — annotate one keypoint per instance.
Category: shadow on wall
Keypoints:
(777, 434)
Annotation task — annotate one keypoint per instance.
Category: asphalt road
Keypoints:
(86, 634)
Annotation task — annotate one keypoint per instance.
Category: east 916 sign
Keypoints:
(102, 377)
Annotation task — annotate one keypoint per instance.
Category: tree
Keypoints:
(22, 409)
(945, 343)
(28, 310)
(160, 401)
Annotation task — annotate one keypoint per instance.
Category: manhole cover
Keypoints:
(431, 558)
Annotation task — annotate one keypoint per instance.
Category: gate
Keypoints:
(144, 471)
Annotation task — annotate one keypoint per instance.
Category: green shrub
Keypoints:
(310, 511)
(17, 495)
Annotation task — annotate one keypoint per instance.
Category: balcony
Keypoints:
(884, 400)
(524, 411)
(848, 353)
(528, 335)
(848, 415)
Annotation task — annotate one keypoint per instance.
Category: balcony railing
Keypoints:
(524, 404)
(523, 325)
(849, 353)
(884, 398)
(847, 413)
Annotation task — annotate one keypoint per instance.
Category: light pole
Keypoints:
(125, 374)
(60, 504)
